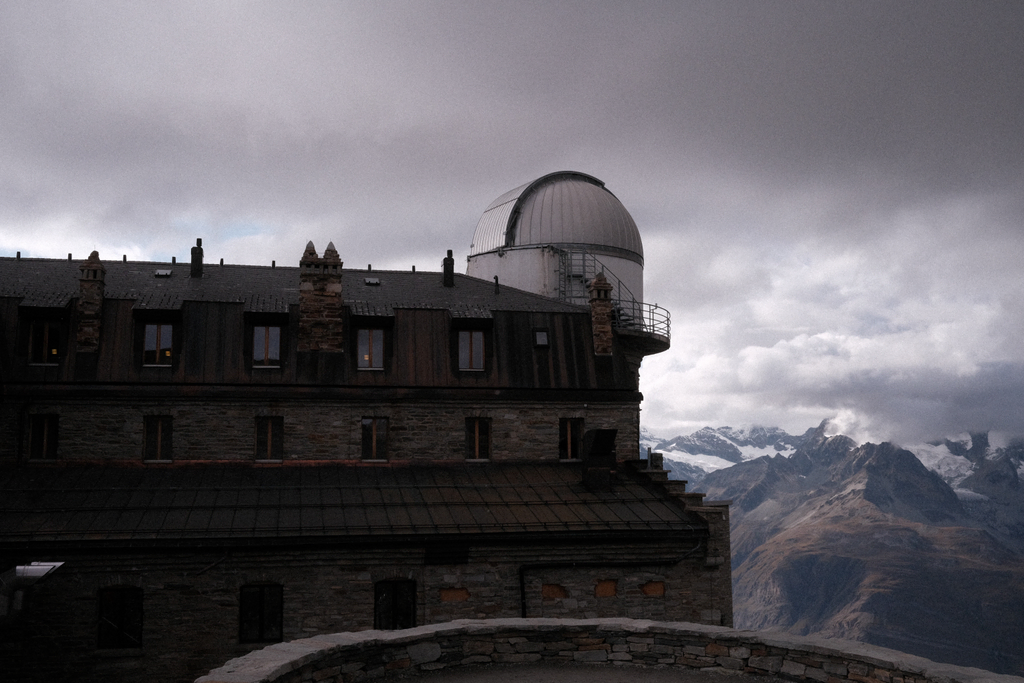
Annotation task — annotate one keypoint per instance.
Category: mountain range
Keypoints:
(919, 549)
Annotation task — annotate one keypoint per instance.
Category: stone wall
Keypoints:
(347, 657)
(191, 598)
(97, 429)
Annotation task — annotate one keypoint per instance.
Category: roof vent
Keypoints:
(163, 273)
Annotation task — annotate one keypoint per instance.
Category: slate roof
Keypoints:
(237, 503)
(53, 283)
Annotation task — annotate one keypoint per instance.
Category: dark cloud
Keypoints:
(830, 193)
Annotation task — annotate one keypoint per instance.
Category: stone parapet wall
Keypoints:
(347, 657)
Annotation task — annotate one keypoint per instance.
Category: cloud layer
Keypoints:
(830, 194)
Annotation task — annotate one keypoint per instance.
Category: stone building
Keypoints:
(198, 459)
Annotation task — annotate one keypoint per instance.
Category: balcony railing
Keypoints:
(637, 316)
(578, 268)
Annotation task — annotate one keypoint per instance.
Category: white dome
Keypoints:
(565, 209)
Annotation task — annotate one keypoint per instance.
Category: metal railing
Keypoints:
(575, 271)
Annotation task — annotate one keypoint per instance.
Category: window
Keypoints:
(266, 346)
(471, 350)
(394, 604)
(43, 338)
(570, 437)
(156, 349)
(120, 617)
(269, 438)
(260, 613)
(375, 438)
(478, 438)
(370, 345)
(42, 437)
(157, 437)
(540, 338)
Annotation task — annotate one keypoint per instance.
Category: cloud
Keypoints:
(830, 195)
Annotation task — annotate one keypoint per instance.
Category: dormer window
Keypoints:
(43, 340)
(370, 349)
(156, 349)
(471, 350)
(266, 346)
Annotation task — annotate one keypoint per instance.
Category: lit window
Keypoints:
(158, 437)
(260, 613)
(471, 350)
(478, 438)
(44, 335)
(43, 437)
(570, 437)
(370, 345)
(266, 346)
(157, 347)
(120, 617)
(375, 438)
(394, 604)
(269, 438)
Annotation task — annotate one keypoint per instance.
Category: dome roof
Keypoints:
(560, 209)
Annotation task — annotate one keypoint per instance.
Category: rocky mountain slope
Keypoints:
(866, 542)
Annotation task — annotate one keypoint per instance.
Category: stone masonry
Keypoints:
(377, 655)
(320, 301)
(90, 303)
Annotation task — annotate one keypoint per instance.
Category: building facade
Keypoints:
(199, 459)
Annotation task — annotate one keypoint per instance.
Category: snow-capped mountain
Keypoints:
(706, 450)
(920, 549)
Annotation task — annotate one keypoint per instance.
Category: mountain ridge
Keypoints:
(873, 542)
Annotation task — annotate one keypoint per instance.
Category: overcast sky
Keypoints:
(831, 194)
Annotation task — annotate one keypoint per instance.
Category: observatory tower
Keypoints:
(553, 235)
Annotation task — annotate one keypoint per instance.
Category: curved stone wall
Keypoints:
(356, 656)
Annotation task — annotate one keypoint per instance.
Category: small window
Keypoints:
(43, 437)
(43, 339)
(570, 437)
(120, 617)
(394, 604)
(261, 614)
(158, 437)
(540, 338)
(266, 346)
(156, 349)
(375, 438)
(471, 350)
(370, 349)
(269, 438)
(478, 438)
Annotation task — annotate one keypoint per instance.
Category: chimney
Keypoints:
(91, 282)
(449, 270)
(599, 458)
(320, 302)
(197, 259)
(601, 314)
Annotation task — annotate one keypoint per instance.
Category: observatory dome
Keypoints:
(567, 210)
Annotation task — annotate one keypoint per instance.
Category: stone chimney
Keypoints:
(320, 302)
(197, 259)
(601, 314)
(449, 270)
(91, 281)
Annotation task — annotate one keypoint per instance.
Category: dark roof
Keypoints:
(241, 503)
(53, 283)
